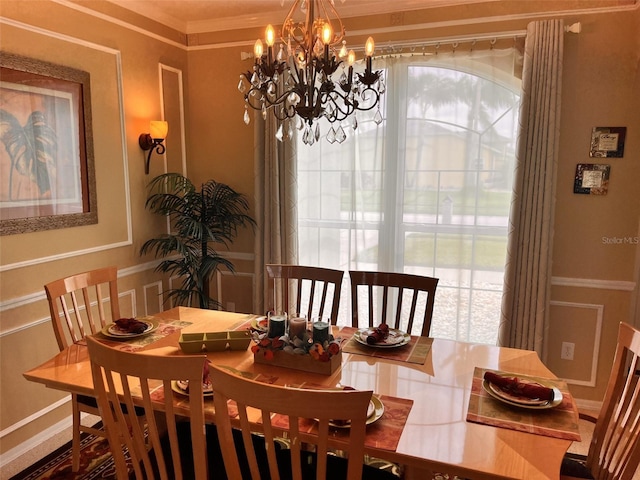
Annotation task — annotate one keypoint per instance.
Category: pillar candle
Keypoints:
(320, 332)
(276, 326)
(297, 327)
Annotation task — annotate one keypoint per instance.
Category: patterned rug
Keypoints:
(95, 463)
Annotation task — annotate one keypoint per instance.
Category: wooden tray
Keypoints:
(305, 363)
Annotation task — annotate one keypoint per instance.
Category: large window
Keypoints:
(426, 191)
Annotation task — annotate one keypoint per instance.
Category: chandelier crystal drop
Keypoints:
(308, 79)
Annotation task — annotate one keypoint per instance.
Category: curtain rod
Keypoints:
(398, 47)
(395, 47)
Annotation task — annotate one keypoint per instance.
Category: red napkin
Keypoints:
(524, 389)
(378, 334)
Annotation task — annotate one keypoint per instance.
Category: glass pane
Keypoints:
(427, 191)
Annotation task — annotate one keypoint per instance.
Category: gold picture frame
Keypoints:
(47, 171)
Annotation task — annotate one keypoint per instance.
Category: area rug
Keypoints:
(96, 462)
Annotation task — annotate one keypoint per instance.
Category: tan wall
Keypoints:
(594, 284)
(595, 276)
(125, 95)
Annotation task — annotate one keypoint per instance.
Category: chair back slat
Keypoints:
(74, 300)
(127, 382)
(614, 451)
(270, 402)
(403, 301)
(316, 290)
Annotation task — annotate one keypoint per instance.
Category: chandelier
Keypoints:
(307, 78)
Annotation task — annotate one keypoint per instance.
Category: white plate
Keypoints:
(181, 388)
(374, 413)
(522, 402)
(396, 338)
(113, 331)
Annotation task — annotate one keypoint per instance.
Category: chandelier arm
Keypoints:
(340, 112)
(369, 104)
(329, 13)
(278, 101)
(297, 77)
(289, 23)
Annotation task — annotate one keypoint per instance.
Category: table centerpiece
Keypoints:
(297, 353)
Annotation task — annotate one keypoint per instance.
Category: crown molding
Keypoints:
(350, 8)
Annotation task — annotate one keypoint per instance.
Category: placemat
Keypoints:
(383, 434)
(558, 422)
(181, 399)
(416, 351)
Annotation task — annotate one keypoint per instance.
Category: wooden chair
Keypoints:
(312, 288)
(75, 297)
(614, 451)
(264, 401)
(118, 378)
(394, 309)
(80, 299)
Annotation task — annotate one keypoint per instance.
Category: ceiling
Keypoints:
(196, 16)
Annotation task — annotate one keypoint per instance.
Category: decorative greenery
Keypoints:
(266, 346)
(199, 219)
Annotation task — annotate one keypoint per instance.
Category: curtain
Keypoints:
(426, 190)
(276, 239)
(524, 319)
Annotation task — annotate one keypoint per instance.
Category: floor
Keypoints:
(9, 470)
(41, 450)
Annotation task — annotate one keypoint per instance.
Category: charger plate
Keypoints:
(260, 324)
(375, 411)
(396, 338)
(181, 388)
(113, 331)
(523, 402)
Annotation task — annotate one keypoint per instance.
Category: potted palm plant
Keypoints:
(199, 219)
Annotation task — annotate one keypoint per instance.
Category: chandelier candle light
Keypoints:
(297, 83)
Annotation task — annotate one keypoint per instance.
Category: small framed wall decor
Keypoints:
(607, 142)
(591, 179)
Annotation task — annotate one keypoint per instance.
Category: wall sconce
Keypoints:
(153, 140)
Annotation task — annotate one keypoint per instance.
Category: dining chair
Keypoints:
(614, 450)
(126, 381)
(286, 411)
(77, 308)
(313, 291)
(401, 300)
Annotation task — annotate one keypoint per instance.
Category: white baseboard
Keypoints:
(43, 437)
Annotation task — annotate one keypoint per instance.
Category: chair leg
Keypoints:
(75, 442)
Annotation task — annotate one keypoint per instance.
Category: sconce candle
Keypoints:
(158, 129)
(153, 140)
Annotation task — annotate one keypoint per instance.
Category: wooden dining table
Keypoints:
(436, 434)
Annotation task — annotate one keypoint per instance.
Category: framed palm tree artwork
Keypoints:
(47, 177)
